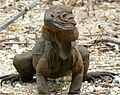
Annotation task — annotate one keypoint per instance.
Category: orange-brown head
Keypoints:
(59, 20)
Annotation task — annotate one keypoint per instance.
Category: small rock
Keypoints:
(98, 88)
(91, 88)
(17, 85)
(116, 88)
(117, 79)
(64, 88)
(11, 93)
(6, 91)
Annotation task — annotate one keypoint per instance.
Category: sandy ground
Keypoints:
(104, 20)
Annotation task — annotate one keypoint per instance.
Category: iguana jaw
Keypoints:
(66, 31)
(59, 25)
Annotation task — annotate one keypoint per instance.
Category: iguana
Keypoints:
(55, 54)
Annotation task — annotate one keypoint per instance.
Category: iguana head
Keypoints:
(60, 21)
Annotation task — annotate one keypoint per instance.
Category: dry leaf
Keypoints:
(15, 26)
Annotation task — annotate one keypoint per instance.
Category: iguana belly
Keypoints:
(53, 66)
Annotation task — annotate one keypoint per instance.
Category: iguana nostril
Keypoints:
(52, 15)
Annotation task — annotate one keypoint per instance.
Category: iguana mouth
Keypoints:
(61, 25)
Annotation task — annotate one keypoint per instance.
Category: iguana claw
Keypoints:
(12, 78)
(98, 75)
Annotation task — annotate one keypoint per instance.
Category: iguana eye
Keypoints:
(64, 14)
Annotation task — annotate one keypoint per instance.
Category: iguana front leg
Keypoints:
(76, 84)
(77, 76)
(42, 84)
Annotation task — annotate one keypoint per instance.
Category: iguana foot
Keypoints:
(12, 78)
(93, 76)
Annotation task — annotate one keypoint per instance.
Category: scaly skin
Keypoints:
(60, 56)
(54, 55)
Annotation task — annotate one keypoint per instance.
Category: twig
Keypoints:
(17, 15)
(96, 34)
(89, 32)
(18, 42)
(8, 39)
(102, 39)
(108, 39)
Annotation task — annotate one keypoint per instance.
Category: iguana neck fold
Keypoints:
(65, 49)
